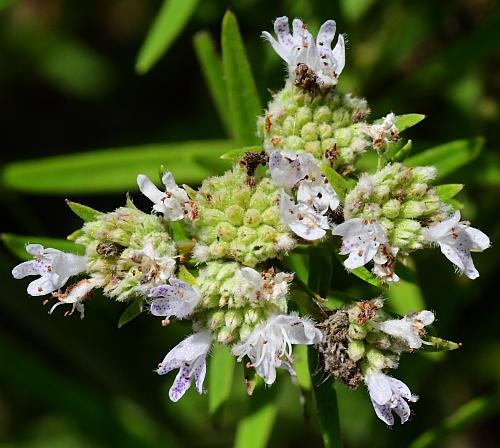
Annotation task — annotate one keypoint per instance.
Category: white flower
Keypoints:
(383, 133)
(286, 168)
(178, 299)
(384, 262)
(173, 203)
(189, 357)
(263, 286)
(409, 328)
(302, 219)
(457, 239)
(269, 346)
(314, 190)
(300, 48)
(54, 267)
(361, 240)
(74, 295)
(389, 394)
(155, 268)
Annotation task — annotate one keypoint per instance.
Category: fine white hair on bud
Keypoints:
(173, 203)
(269, 346)
(299, 47)
(457, 239)
(53, 266)
(389, 395)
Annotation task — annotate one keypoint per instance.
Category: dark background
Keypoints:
(68, 84)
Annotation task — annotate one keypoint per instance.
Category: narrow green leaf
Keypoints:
(83, 211)
(339, 184)
(326, 402)
(448, 191)
(220, 379)
(185, 275)
(111, 170)
(449, 156)
(213, 72)
(365, 275)
(439, 345)
(476, 410)
(255, 428)
(404, 122)
(404, 152)
(131, 312)
(244, 102)
(237, 154)
(168, 23)
(75, 235)
(17, 244)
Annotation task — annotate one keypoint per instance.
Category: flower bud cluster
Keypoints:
(239, 219)
(362, 337)
(128, 252)
(401, 200)
(326, 125)
(235, 299)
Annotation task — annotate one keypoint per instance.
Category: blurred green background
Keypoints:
(68, 84)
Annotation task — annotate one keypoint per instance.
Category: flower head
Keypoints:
(361, 240)
(286, 168)
(173, 203)
(389, 394)
(410, 328)
(53, 266)
(300, 48)
(189, 357)
(178, 299)
(457, 239)
(269, 346)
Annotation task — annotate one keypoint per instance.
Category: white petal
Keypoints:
(339, 55)
(149, 189)
(24, 269)
(326, 34)
(461, 258)
(361, 256)
(384, 413)
(34, 249)
(426, 317)
(437, 231)
(379, 387)
(401, 388)
(478, 240)
(45, 285)
(181, 384)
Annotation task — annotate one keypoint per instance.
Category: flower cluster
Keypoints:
(225, 270)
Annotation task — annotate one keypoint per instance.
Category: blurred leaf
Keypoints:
(83, 211)
(403, 153)
(244, 102)
(355, 9)
(255, 428)
(469, 414)
(237, 154)
(326, 402)
(213, 72)
(406, 295)
(336, 180)
(320, 270)
(185, 275)
(337, 299)
(131, 312)
(448, 191)
(449, 156)
(17, 244)
(220, 379)
(6, 3)
(167, 25)
(111, 170)
(439, 345)
(406, 121)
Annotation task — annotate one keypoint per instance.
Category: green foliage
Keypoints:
(17, 244)
(167, 25)
(131, 312)
(244, 102)
(83, 211)
(449, 156)
(237, 154)
(220, 379)
(406, 121)
(111, 170)
(337, 181)
(213, 72)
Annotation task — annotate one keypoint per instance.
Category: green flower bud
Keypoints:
(357, 331)
(356, 350)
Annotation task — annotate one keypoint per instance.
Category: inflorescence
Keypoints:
(228, 277)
